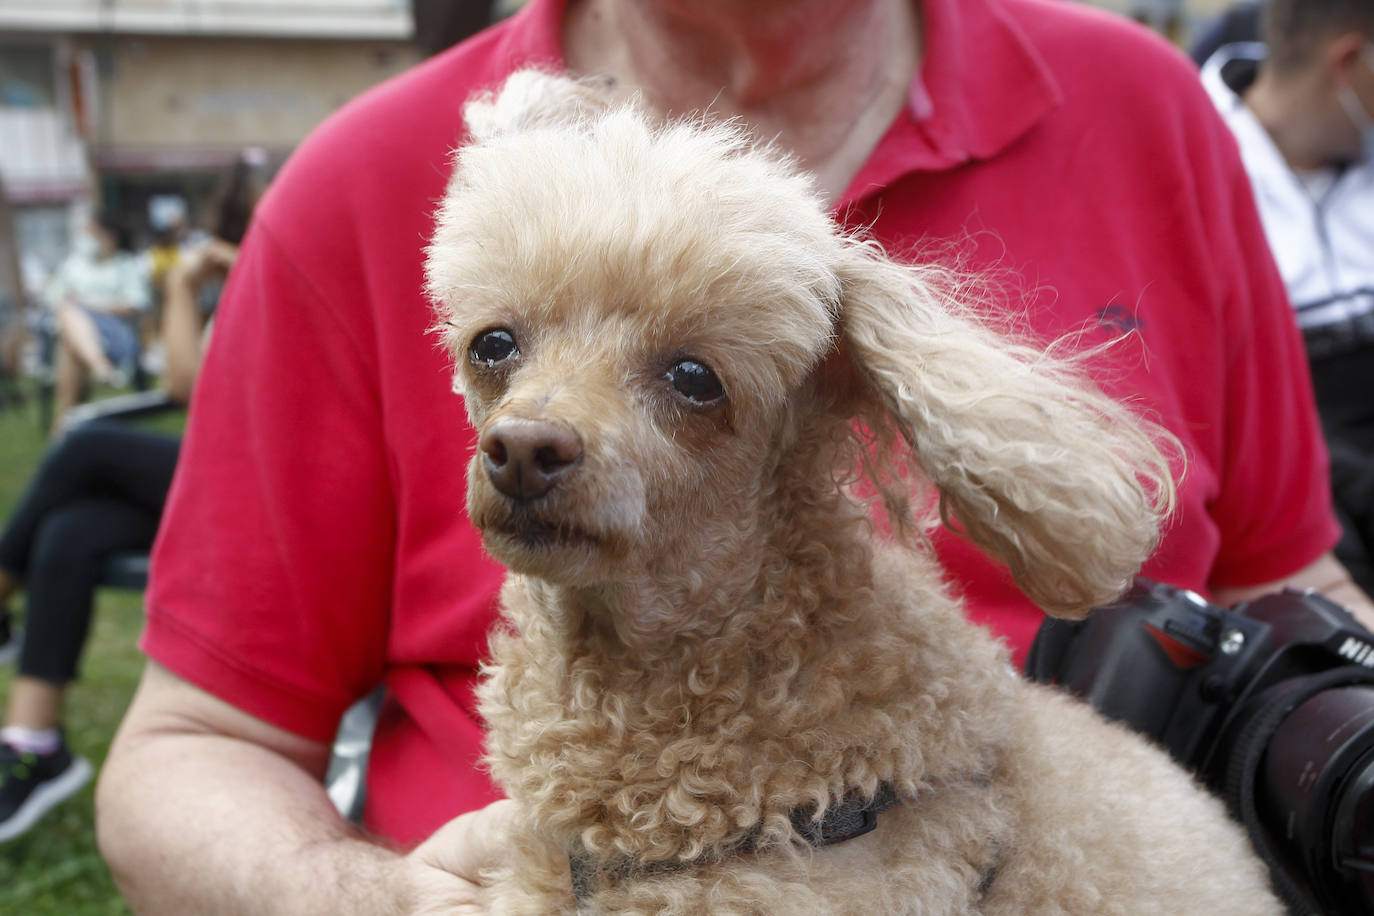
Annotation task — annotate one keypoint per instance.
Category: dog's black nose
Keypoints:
(525, 458)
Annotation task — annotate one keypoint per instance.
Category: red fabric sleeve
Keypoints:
(1274, 506)
(263, 591)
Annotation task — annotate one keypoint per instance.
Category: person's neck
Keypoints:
(823, 79)
(1282, 110)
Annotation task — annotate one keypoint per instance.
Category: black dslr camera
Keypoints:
(1270, 703)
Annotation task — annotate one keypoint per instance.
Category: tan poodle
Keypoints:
(722, 688)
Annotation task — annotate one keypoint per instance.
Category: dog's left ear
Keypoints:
(1031, 461)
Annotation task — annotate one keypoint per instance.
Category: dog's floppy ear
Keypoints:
(530, 98)
(1030, 460)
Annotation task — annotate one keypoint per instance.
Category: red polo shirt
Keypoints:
(315, 542)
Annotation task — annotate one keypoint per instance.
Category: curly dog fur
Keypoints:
(705, 627)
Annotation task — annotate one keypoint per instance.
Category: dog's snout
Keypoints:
(525, 458)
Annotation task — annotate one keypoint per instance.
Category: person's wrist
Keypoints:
(420, 887)
(193, 269)
(401, 888)
(178, 276)
(449, 872)
(370, 880)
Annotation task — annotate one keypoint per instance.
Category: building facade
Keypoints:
(121, 103)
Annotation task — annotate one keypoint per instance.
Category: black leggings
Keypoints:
(99, 491)
(1342, 385)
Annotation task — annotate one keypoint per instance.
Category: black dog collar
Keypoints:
(853, 816)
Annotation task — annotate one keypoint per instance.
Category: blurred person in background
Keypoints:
(99, 491)
(1237, 23)
(172, 237)
(315, 543)
(13, 305)
(194, 280)
(96, 296)
(1301, 107)
(1164, 16)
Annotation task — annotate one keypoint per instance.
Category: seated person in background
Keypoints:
(1302, 110)
(99, 491)
(173, 236)
(173, 239)
(97, 294)
(194, 282)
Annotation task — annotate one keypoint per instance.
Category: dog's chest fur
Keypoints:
(669, 759)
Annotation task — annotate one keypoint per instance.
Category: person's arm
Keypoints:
(182, 327)
(205, 809)
(1326, 576)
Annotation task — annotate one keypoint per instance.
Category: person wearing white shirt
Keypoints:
(96, 295)
(1301, 107)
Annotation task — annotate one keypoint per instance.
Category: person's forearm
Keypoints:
(206, 824)
(1329, 578)
(204, 809)
(1326, 576)
(181, 334)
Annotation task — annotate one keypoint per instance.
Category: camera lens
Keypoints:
(1353, 830)
(1318, 780)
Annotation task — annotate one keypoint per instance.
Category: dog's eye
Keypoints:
(695, 382)
(492, 347)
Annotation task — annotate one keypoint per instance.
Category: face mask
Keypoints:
(1354, 108)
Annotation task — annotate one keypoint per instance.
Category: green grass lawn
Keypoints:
(56, 869)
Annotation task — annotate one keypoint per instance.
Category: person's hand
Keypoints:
(214, 257)
(444, 874)
(219, 254)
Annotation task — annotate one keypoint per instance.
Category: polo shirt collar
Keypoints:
(981, 86)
